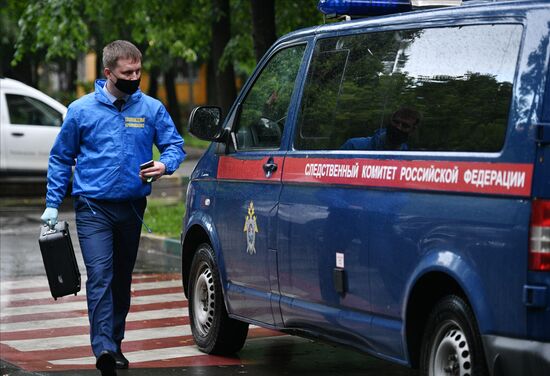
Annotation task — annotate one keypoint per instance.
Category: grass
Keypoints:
(193, 141)
(189, 141)
(164, 216)
(7, 202)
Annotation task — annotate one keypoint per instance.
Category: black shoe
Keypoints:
(121, 361)
(106, 363)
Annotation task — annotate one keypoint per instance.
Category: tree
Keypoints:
(26, 71)
(263, 25)
(164, 32)
(224, 73)
(216, 32)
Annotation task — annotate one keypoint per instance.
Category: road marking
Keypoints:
(83, 320)
(83, 340)
(59, 306)
(142, 356)
(40, 334)
(44, 292)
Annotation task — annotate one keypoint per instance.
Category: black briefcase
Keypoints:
(59, 260)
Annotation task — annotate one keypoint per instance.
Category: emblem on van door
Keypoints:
(251, 228)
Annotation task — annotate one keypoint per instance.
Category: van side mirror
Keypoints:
(205, 123)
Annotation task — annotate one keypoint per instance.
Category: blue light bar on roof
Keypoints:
(363, 7)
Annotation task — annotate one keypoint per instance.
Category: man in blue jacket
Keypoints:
(107, 135)
(393, 137)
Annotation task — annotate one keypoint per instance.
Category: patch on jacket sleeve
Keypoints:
(134, 122)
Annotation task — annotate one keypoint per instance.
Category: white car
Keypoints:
(29, 123)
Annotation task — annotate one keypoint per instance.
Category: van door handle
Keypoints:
(269, 168)
(18, 134)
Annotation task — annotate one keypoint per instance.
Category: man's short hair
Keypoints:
(119, 49)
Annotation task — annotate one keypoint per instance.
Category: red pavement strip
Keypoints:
(82, 298)
(30, 353)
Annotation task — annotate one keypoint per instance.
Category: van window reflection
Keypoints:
(459, 78)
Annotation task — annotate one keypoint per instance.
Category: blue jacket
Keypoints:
(108, 146)
(375, 142)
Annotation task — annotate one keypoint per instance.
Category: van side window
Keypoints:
(25, 110)
(264, 110)
(449, 88)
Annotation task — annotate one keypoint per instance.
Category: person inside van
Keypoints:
(394, 136)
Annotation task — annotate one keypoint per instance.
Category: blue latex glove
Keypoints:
(49, 217)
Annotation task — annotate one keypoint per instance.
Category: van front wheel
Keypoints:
(451, 345)
(213, 331)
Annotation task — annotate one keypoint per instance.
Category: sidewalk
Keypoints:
(175, 185)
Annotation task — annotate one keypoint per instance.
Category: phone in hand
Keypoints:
(145, 165)
(148, 164)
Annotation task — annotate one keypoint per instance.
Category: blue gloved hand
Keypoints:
(49, 217)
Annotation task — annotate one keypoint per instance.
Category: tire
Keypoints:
(213, 331)
(451, 345)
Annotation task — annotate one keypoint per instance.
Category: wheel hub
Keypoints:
(452, 356)
(203, 302)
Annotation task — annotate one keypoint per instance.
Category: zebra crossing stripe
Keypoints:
(83, 340)
(40, 283)
(75, 305)
(83, 320)
(44, 292)
(33, 302)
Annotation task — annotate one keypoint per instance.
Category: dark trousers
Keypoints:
(109, 234)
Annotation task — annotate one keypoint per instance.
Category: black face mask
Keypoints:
(396, 136)
(127, 86)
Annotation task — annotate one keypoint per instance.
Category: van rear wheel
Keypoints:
(451, 345)
(213, 330)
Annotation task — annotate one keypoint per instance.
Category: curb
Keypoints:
(147, 241)
(160, 244)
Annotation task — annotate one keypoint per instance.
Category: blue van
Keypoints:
(384, 183)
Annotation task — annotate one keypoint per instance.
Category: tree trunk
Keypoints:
(263, 26)
(225, 77)
(211, 97)
(99, 62)
(23, 71)
(171, 96)
(35, 75)
(72, 76)
(191, 83)
(152, 91)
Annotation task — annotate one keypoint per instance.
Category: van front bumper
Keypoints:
(512, 356)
